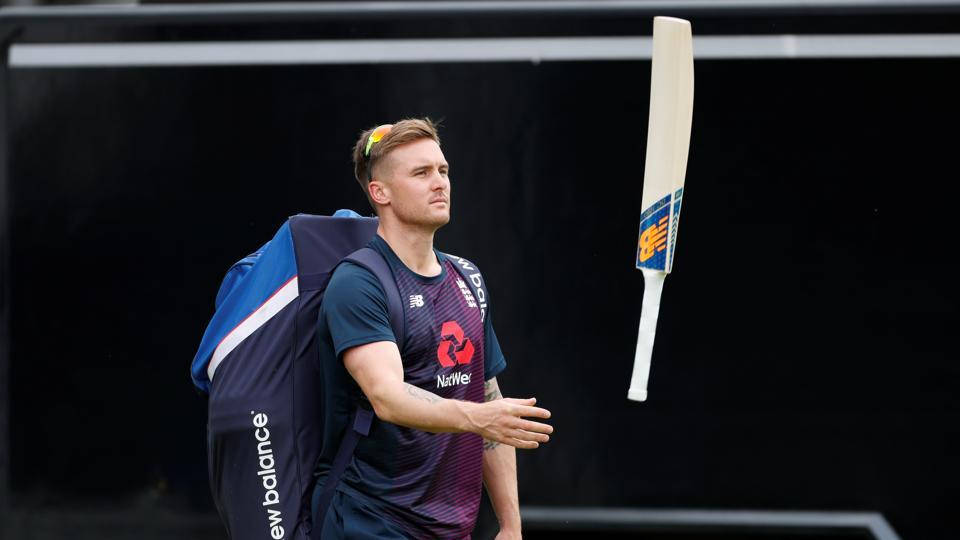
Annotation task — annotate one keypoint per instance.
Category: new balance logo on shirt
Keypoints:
(416, 300)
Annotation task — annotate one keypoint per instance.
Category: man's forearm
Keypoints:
(410, 406)
(500, 477)
(378, 370)
(500, 473)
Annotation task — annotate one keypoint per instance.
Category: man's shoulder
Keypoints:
(350, 270)
(349, 278)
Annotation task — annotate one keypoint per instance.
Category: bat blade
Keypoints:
(668, 145)
(668, 142)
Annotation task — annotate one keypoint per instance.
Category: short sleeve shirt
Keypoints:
(427, 483)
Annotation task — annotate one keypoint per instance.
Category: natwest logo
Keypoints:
(453, 379)
(455, 348)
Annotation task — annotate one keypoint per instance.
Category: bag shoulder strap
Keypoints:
(359, 427)
(362, 419)
(374, 262)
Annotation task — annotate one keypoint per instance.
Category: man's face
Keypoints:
(415, 178)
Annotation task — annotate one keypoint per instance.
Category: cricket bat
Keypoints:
(668, 143)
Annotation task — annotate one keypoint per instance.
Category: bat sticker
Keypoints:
(675, 224)
(654, 231)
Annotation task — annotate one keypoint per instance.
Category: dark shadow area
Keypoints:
(804, 356)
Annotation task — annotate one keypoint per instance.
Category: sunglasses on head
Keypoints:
(375, 136)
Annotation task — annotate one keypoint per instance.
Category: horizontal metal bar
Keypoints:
(87, 55)
(300, 12)
(828, 46)
(573, 518)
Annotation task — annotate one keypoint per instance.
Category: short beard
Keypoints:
(421, 220)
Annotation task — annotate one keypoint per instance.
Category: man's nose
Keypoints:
(439, 181)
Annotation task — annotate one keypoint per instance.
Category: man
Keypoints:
(442, 425)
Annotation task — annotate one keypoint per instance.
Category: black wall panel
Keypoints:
(803, 354)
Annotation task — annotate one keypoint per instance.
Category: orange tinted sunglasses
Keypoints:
(377, 134)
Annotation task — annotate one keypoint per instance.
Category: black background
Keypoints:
(805, 336)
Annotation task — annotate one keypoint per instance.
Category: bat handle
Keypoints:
(649, 311)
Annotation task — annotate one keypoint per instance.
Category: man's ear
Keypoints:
(379, 192)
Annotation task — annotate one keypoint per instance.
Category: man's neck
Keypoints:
(413, 246)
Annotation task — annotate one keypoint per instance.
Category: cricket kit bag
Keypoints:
(257, 363)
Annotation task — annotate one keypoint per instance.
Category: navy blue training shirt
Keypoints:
(429, 484)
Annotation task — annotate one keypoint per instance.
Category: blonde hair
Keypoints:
(400, 133)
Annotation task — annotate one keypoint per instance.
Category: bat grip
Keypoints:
(649, 311)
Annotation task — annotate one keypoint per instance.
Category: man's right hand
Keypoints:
(502, 420)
